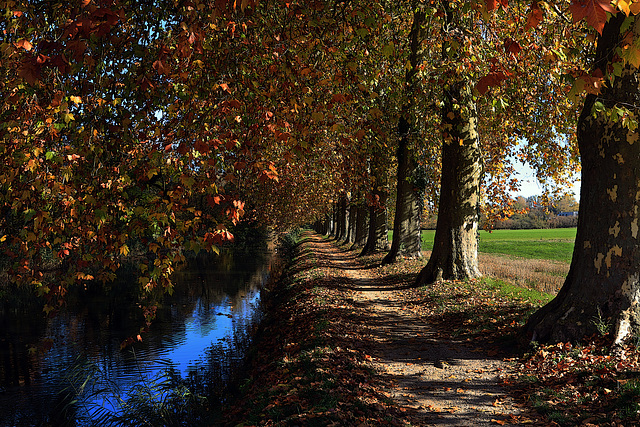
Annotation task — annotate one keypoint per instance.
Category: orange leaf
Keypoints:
(535, 16)
(493, 4)
(25, 44)
(161, 67)
(594, 11)
(512, 46)
(338, 97)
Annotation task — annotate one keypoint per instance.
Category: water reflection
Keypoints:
(199, 333)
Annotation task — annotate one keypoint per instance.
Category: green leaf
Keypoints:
(388, 50)
(576, 89)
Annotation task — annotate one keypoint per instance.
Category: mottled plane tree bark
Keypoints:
(455, 253)
(406, 225)
(604, 277)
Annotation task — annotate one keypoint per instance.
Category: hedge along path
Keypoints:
(434, 380)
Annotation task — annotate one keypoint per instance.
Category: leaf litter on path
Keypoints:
(347, 342)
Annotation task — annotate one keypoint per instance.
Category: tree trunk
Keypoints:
(324, 225)
(361, 225)
(455, 250)
(406, 224)
(378, 236)
(352, 213)
(342, 222)
(603, 284)
(334, 220)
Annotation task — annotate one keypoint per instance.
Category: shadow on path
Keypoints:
(438, 381)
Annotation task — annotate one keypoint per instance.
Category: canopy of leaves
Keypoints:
(142, 131)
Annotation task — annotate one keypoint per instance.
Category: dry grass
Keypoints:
(539, 274)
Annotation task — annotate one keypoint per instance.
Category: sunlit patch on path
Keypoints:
(436, 381)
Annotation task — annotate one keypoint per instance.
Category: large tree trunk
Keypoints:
(406, 225)
(604, 277)
(455, 250)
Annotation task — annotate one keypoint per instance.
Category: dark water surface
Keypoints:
(200, 333)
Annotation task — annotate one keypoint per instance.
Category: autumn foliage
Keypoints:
(144, 131)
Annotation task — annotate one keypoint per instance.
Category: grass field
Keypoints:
(550, 244)
(535, 259)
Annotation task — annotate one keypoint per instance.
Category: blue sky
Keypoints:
(530, 185)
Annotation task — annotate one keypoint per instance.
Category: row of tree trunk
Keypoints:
(604, 278)
(358, 224)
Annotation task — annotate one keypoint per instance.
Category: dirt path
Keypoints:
(435, 380)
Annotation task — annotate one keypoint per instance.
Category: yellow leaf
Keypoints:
(76, 99)
(623, 5)
(3, 238)
(632, 55)
(388, 49)
(67, 117)
(124, 250)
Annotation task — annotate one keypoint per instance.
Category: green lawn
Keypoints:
(554, 244)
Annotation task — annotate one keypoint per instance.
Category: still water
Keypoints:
(200, 334)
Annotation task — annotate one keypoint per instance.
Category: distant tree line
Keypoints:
(531, 212)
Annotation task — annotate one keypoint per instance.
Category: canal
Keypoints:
(71, 369)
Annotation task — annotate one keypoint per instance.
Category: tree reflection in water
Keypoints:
(197, 339)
